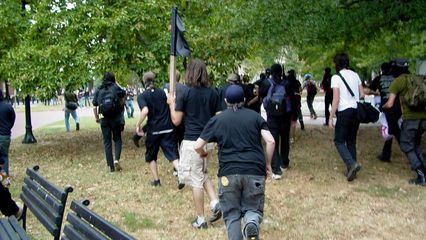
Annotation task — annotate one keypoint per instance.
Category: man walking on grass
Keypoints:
(242, 165)
(108, 102)
(159, 129)
(414, 121)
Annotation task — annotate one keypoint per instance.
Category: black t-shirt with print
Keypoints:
(158, 109)
(238, 135)
(198, 106)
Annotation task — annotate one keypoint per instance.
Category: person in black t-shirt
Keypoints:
(7, 120)
(153, 104)
(199, 104)
(113, 125)
(296, 103)
(381, 84)
(328, 97)
(279, 125)
(242, 166)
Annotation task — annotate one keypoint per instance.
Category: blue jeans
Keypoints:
(67, 118)
(4, 151)
(410, 141)
(310, 101)
(129, 108)
(243, 197)
(345, 135)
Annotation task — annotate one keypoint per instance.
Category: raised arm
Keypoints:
(176, 116)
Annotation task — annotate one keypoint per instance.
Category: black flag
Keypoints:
(179, 46)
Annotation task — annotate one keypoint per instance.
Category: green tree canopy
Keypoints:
(58, 43)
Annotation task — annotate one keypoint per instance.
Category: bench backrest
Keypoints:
(44, 200)
(83, 223)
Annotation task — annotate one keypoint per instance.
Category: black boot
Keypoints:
(302, 125)
(77, 126)
(420, 180)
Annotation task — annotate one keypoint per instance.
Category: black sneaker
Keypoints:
(420, 180)
(111, 168)
(181, 185)
(417, 181)
(156, 183)
(77, 126)
(198, 225)
(216, 213)
(136, 139)
(351, 175)
(251, 232)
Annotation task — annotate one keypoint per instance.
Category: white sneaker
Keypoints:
(117, 166)
(276, 176)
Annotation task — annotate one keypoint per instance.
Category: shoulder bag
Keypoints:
(367, 113)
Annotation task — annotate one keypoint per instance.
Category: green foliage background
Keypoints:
(58, 43)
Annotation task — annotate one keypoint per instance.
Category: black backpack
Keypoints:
(108, 101)
(311, 88)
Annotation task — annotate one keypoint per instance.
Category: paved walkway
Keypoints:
(40, 119)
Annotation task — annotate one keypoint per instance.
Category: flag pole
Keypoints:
(172, 77)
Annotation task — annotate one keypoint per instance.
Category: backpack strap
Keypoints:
(346, 84)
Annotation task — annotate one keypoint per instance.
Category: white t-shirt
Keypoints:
(352, 79)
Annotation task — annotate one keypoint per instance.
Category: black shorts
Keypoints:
(166, 141)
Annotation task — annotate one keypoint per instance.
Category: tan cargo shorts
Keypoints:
(192, 168)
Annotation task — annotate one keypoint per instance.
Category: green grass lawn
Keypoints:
(312, 201)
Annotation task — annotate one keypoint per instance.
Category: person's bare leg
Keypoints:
(211, 193)
(154, 170)
(198, 196)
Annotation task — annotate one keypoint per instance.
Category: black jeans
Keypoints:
(280, 130)
(111, 129)
(345, 135)
(328, 99)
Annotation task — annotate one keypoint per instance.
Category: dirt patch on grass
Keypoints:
(313, 201)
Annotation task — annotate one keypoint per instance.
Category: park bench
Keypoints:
(45, 201)
(84, 224)
(11, 230)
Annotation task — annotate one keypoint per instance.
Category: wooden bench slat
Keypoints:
(104, 226)
(33, 201)
(55, 191)
(18, 229)
(39, 214)
(5, 229)
(43, 194)
(72, 234)
(84, 228)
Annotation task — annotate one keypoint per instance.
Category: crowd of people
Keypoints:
(186, 121)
